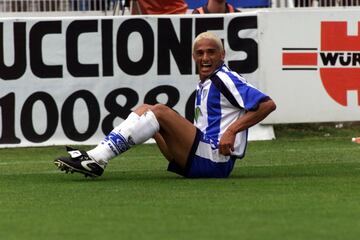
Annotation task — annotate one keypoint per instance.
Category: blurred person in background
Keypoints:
(158, 7)
(216, 6)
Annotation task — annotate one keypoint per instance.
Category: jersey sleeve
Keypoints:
(246, 95)
(251, 96)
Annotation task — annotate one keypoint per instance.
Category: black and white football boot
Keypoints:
(79, 161)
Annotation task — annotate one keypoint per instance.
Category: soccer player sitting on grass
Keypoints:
(225, 107)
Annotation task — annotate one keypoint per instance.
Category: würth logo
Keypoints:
(338, 60)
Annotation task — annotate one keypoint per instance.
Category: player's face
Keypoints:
(208, 57)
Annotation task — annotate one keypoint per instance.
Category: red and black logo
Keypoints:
(338, 60)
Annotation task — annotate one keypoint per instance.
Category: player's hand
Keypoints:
(226, 144)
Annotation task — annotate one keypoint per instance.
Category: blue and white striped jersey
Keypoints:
(221, 100)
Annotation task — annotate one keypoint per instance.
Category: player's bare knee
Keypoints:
(161, 111)
(142, 108)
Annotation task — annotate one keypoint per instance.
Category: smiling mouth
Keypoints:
(206, 65)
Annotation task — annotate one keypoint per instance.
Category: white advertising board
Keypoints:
(71, 80)
(310, 64)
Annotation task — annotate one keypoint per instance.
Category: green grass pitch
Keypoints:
(303, 185)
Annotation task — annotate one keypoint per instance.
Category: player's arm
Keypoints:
(250, 118)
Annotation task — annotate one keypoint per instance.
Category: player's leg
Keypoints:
(176, 131)
(163, 147)
(115, 142)
(173, 133)
(120, 139)
(177, 134)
